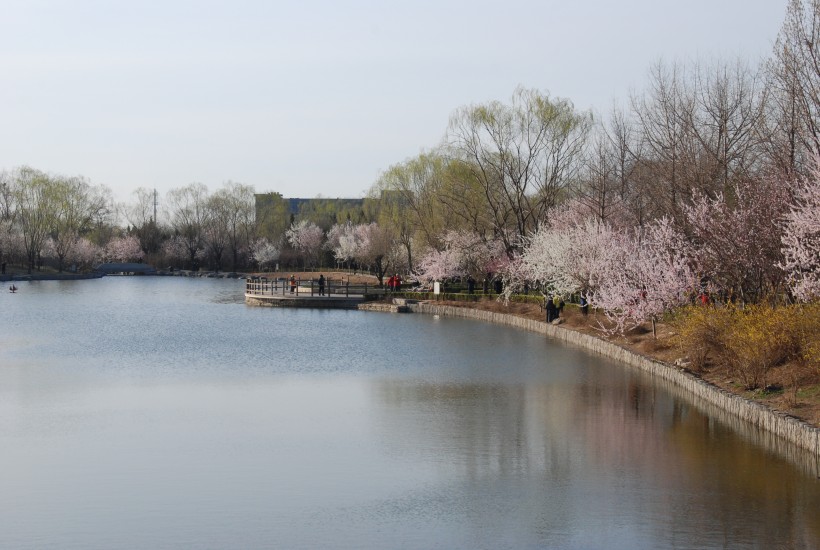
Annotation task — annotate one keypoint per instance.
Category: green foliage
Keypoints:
(272, 216)
(527, 299)
(327, 212)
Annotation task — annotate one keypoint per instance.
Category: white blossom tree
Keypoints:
(801, 241)
(264, 252)
(375, 244)
(564, 258)
(341, 241)
(306, 237)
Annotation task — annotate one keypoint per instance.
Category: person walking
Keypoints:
(552, 311)
(292, 284)
(559, 305)
(321, 285)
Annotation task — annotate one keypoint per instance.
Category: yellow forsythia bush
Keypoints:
(759, 337)
(807, 332)
(749, 340)
(700, 331)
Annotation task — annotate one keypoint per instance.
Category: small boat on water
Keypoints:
(12, 289)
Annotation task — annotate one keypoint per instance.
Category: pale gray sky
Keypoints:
(320, 97)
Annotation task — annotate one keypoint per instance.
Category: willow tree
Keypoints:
(272, 216)
(77, 205)
(407, 198)
(36, 201)
(522, 156)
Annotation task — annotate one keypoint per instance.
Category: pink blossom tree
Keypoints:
(124, 249)
(801, 241)
(438, 265)
(645, 274)
(737, 240)
(84, 253)
(464, 254)
(373, 245)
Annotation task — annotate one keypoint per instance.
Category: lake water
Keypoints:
(165, 413)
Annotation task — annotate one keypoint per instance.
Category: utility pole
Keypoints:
(155, 205)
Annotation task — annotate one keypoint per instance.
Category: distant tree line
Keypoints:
(712, 159)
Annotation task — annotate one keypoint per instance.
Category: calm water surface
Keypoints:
(164, 413)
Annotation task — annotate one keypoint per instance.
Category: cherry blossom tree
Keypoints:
(85, 253)
(373, 247)
(264, 252)
(81, 253)
(370, 245)
(801, 241)
(645, 274)
(439, 265)
(342, 243)
(124, 249)
(306, 237)
(737, 239)
(464, 254)
(564, 258)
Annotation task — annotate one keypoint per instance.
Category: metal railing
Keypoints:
(262, 286)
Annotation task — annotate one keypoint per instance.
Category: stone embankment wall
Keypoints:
(303, 301)
(787, 427)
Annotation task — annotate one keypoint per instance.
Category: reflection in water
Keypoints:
(164, 413)
(606, 455)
